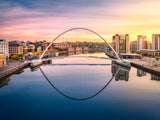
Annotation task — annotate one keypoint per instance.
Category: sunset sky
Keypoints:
(45, 19)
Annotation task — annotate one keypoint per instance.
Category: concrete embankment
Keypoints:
(146, 65)
(146, 69)
(10, 70)
(123, 64)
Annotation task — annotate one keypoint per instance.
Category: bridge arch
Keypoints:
(79, 29)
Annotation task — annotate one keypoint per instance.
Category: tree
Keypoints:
(62, 49)
(54, 50)
(16, 56)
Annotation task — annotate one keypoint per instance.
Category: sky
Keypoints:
(45, 19)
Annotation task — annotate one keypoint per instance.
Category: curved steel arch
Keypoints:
(79, 99)
(80, 29)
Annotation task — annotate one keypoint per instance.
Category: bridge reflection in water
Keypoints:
(78, 99)
(122, 75)
(116, 73)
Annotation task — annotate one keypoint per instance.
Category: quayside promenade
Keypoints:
(147, 64)
(11, 67)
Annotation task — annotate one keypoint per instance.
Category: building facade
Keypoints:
(70, 51)
(133, 46)
(121, 43)
(60, 45)
(2, 60)
(78, 50)
(156, 41)
(15, 48)
(4, 47)
(149, 45)
(84, 50)
(31, 48)
(45, 45)
(39, 48)
(25, 49)
(141, 42)
(154, 53)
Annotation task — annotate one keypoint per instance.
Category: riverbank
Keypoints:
(11, 68)
(146, 64)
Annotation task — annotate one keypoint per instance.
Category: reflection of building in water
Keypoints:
(19, 72)
(47, 62)
(33, 69)
(4, 82)
(154, 77)
(70, 51)
(121, 75)
(84, 50)
(77, 50)
(140, 73)
(114, 69)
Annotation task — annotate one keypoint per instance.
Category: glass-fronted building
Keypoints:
(122, 43)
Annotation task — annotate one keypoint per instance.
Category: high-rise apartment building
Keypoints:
(141, 42)
(4, 48)
(149, 45)
(156, 41)
(121, 43)
(133, 46)
(113, 43)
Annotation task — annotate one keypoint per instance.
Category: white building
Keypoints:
(141, 42)
(4, 48)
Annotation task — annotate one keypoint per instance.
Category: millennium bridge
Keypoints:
(123, 64)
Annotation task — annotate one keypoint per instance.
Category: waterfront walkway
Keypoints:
(11, 67)
(147, 64)
(10, 64)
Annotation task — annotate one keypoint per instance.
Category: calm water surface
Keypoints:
(80, 88)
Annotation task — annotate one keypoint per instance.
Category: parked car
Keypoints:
(45, 56)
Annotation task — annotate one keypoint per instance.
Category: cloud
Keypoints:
(21, 19)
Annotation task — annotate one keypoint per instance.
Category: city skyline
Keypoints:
(38, 20)
(80, 59)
